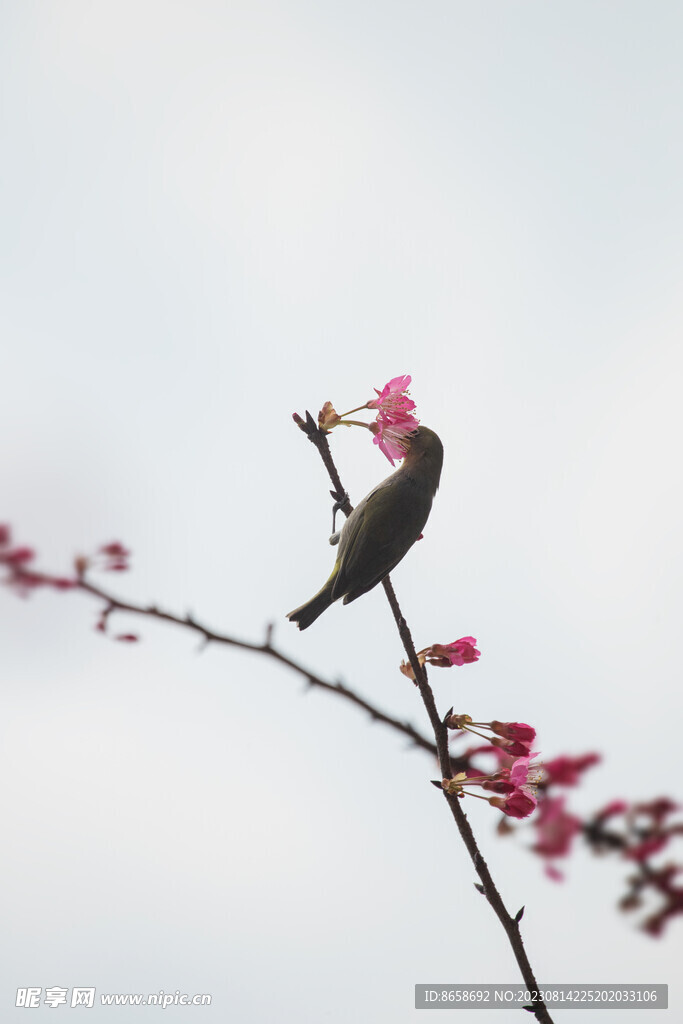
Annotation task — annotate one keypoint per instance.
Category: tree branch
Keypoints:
(312, 678)
(488, 888)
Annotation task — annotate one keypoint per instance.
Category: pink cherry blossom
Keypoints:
(392, 436)
(648, 847)
(565, 771)
(115, 550)
(523, 775)
(460, 652)
(502, 785)
(515, 737)
(611, 809)
(518, 804)
(515, 748)
(657, 809)
(556, 828)
(392, 401)
(116, 556)
(522, 772)
(395, 419)
(514, 731)
(17, 556)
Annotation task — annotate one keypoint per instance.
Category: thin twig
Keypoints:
(312, 678)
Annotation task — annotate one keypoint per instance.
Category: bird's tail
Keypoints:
(310, 611)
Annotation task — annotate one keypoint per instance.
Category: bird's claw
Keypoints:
(338, 505)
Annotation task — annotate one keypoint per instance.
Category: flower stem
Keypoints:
(354, 410)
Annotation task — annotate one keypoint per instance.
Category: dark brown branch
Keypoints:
(420, 672)
(318, 437)
(488, 888)
(209, 636)
(596, 834)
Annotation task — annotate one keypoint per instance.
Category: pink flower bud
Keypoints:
(657, 809)
(19, 556)
(556, 828)
(515, 748)
(499, 786)
(62, 583)
(613, 808)
(519, 804)
(565, 771)
(114, 550)
(460, 652)
(392, 435)
(514, 731)
(647, 848)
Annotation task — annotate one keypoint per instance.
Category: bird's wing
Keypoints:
(375, 539)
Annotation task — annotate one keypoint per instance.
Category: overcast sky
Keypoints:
(215, 214)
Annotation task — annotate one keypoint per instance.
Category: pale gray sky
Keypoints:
(214, 214)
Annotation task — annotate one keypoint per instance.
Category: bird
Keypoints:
(382, 528)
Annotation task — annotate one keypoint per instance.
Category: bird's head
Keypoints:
(425, 454)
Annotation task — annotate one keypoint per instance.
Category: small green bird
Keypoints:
(382, 528)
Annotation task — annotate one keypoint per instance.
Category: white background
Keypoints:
(213, 215)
